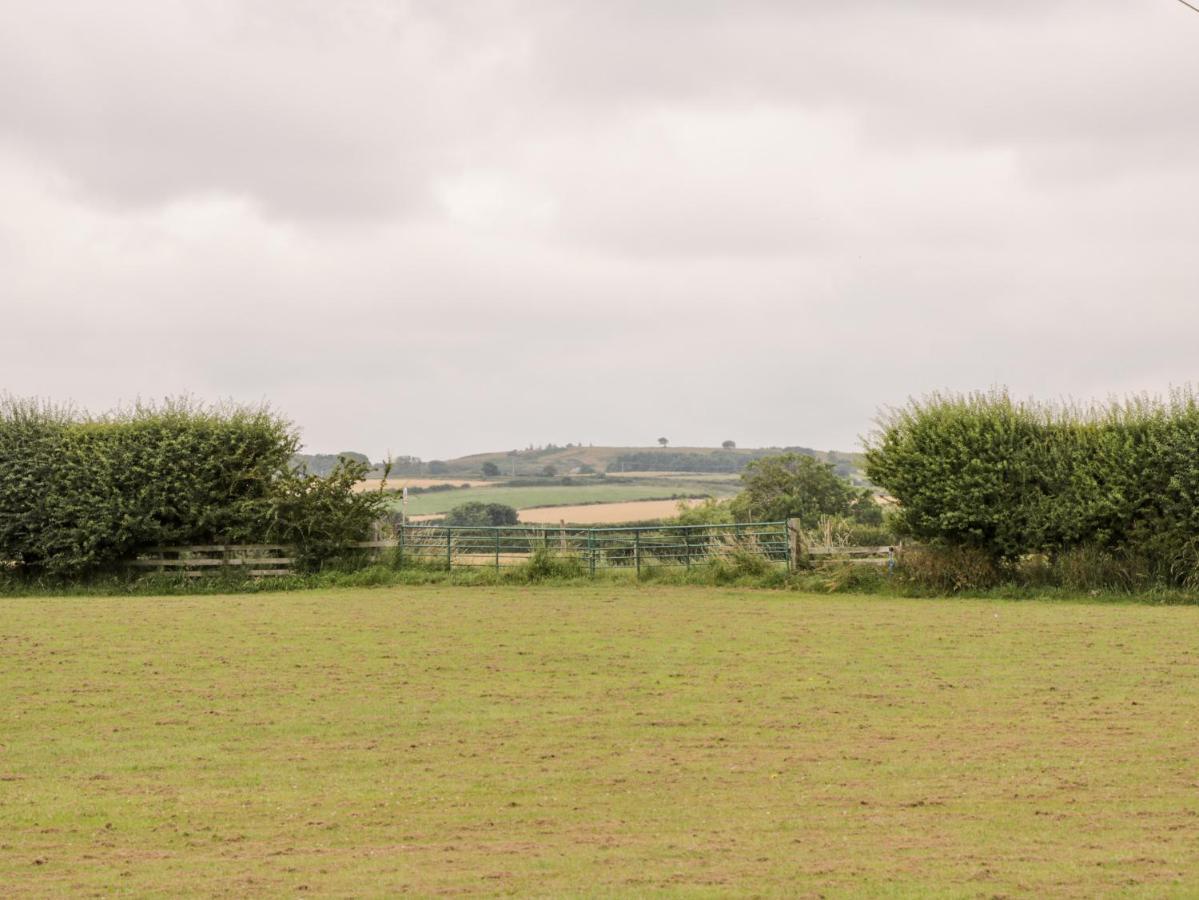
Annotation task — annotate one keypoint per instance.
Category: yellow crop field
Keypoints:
(605, 513)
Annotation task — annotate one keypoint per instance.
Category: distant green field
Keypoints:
(596, 740)
(551, 495)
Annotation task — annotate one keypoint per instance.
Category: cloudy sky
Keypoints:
(439, 227)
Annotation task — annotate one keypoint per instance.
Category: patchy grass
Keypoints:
(596, 739)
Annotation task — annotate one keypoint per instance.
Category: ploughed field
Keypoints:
(596, 739)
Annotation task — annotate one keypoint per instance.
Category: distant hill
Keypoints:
(572, 459)
(324, 463)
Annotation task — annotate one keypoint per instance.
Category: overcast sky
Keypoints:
(441, 227)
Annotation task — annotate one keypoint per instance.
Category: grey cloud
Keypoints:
(434, 227)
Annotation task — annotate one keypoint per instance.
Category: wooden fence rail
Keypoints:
(258, 560)
(878, 556)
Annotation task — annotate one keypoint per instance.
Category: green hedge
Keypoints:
(80, 493)
(1011, 479)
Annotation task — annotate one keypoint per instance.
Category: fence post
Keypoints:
(497, 549)
(403, 527)
(794, 549)
(449, 548)
(591, 550)
(637, 550)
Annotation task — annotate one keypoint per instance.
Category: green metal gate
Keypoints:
(632, 548)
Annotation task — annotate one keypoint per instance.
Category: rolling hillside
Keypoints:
(630, 460)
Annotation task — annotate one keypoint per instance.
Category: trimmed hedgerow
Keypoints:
(81, 493)
(1011, 479)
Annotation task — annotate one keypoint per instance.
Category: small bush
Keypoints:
(948, 569)
(1091, 568)
(481, 514)
(841, 531)
(547, 565)
(1036, 571)
(740, 563)
(850, 577)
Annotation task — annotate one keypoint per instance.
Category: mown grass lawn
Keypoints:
(596, 740)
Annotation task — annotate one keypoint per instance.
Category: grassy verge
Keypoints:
(591, 739)
(550, 569)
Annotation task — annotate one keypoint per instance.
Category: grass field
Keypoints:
(547, 495)
(596, 740)
(396, 482)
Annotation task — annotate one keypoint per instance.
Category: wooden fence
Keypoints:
(876, 556)
(257, 560)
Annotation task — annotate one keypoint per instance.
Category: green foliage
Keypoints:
(1012, 479)
(842, 531)
(728, 460)
(852, 578)
(325, 463)
(865, 509)
(490, 469)
(81, 493)
(740, 563)
(709, 512)
(791, 486)
(320, 517)
(949, 569)
(481, 514)
(547, 565)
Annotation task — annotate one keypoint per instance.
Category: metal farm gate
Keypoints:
(631, 548)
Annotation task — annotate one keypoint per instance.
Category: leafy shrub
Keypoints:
(1037, 570)
(740, 562)
(1091, 568)
(1116, 486)
(791, 485)
(80, 493)
(547, 565)
(948, 569)
(841, 531)
(851, 577)
(322, 517)
(708, 512)
(478, 514)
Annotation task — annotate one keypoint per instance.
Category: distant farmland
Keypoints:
(604, 513)
(547, 495)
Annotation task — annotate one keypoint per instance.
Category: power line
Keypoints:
(1188, 5)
